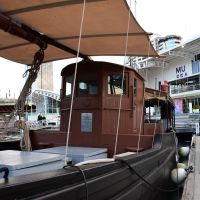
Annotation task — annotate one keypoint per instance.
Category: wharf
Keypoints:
(191, 187)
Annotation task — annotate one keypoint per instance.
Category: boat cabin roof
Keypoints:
(157, 97)
(97, 64)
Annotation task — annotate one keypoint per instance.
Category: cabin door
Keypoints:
(134, 105)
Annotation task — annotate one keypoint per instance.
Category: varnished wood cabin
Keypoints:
(96, 106)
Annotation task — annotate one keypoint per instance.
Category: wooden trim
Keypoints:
(102, 35)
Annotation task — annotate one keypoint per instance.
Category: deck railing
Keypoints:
(185, 88)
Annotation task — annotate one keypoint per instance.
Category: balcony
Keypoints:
(184, 88)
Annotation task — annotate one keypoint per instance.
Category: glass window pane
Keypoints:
(115, 84)
(88, 84)
(69, 82)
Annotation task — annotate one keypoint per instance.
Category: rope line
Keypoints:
(25, 142)
(153, 187)
(74, 81)
(84, 178)
(155, 124)
(32, 75)
(85, 181)
(122, 84)
(142, 115)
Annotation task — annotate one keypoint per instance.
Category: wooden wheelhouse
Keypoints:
(96, 107)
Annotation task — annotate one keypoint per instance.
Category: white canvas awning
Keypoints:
(104, 29)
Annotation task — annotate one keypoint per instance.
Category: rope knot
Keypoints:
(38, 59)
(21, 124)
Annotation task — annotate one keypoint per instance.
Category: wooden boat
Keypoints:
(98, 102)
(95, 110)
(108, 102)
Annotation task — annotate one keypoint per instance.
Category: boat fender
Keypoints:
(6, 172)
(182, 165)
(184, 151)
(183, 172)
(178, 175)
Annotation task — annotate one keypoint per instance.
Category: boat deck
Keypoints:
(191, 186)
(78, 154)
(22, 162)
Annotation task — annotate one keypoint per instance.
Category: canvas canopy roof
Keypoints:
(57, 23)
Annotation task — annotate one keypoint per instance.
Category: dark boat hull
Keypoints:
(104, 181)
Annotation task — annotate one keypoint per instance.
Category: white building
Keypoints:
(46, 100)
(180, 66)
(167, 42)
(160, 44)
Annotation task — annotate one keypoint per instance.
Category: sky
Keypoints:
(11, 78)
(164, 17)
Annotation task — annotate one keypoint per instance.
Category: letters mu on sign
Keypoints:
(181, 72)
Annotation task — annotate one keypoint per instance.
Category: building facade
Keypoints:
(180, 67)
(160, 44)
(47, 102)
(167, 42)
(44, 79)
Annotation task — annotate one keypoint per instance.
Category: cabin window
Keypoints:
(115, 84)
(88, 84)
(152, 114)
(135, 87)
(68, 85)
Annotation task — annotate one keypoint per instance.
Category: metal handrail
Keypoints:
(185, 88)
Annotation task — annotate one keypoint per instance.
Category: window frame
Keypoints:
(126, 84)
(78, 82)
(65, 84)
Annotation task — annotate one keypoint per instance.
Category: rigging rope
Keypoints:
(74, 81)
(19, 106)
(122, 84)
(141, 121)
(142, 115)
(25, 142)
(152, 186)
(32, 75)
(155, 124)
